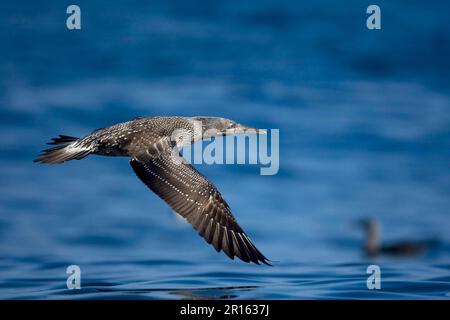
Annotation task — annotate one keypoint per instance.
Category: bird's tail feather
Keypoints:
(66, 149)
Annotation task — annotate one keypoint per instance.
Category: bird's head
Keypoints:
(367, 224)
(212, 126)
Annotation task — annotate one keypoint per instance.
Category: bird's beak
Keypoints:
(240, 129)
(245, 129)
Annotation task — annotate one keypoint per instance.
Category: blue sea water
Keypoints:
(364, 119)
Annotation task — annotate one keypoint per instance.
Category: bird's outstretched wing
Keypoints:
(192, 196)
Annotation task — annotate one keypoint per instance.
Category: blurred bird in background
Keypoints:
(374, 247)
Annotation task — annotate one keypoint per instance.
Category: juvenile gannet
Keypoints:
(149, 143)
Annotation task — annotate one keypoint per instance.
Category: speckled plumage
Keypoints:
(149, 144)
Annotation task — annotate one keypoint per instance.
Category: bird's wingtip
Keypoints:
(268, 262)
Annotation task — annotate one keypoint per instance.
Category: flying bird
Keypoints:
(151, 144)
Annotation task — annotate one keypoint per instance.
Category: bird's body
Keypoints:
(124, 139)
(151, 145)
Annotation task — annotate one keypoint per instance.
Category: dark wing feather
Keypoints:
(192, 196)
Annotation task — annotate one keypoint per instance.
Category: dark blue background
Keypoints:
(364, 119)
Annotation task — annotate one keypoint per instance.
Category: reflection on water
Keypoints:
(364, 124)
(191, 294)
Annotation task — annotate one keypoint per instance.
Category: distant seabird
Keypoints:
(372, 246)
(149, 143)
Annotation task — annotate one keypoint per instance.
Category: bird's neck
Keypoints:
(372, 245)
